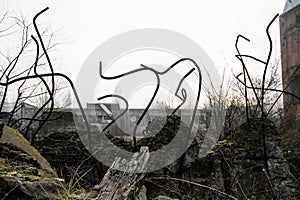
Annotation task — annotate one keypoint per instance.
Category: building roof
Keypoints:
(290, 4)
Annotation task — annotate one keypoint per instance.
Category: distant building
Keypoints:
(23, 110)
(101, 114)
(26, 111)
(290, 56)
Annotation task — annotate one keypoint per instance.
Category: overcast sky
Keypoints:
(214, 25)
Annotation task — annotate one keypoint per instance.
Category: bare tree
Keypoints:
(27, 74)
(266, 90)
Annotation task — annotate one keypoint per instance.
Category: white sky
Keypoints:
(214, 25)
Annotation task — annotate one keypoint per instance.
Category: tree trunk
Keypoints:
(123, 179)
